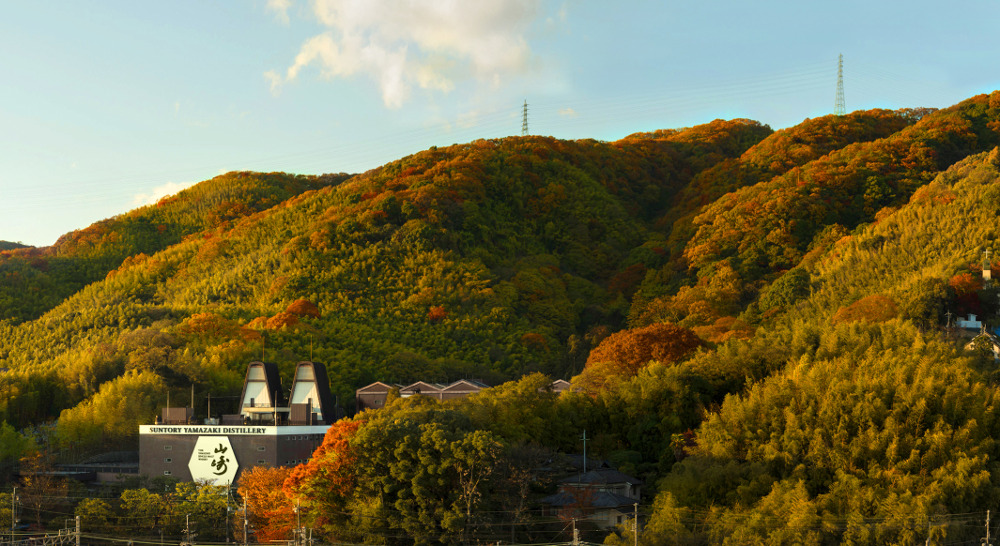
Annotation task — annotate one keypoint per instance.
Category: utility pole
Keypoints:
(986, 541)
(246, 525)
(584, 438)
(13, 514)
(77, 530)
(635, 525)
(228, 491)
(298, 524)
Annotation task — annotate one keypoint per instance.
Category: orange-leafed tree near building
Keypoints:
(325, 483)
(966, 287)
(270, 511)
(624, 353)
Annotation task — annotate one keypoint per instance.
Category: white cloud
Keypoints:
(159, 192)
(402, 44)
(568, 113)
(274, 81)
(280, 9)
(468, 119)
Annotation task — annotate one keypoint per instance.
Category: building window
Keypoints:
(168, 460)
(166, 472)
(261, 448)
(261, 461)
(168, 448)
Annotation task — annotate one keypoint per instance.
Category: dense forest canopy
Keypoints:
(755, 323)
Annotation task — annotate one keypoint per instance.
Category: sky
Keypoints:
(108, 106)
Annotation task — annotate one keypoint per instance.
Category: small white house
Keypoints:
(986, 340)
(970, 323)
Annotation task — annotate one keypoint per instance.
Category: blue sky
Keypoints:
(106, 106)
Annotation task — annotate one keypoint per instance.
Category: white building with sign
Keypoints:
(267, 431)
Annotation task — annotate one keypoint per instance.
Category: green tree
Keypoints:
(143, 511)
(96, 516)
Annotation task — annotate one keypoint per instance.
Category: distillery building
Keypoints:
(270, 429)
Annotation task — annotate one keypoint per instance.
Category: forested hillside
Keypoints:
(753, 322)
(38, 279)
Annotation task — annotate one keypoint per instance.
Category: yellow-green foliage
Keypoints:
(114, 413)
(13, 445)
(888, 435)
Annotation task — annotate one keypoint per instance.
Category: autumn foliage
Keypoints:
(436, 313)
(966, 287)
(623, 354)
(873, 308)
(303, 308)
(328, 477)
(269, 510)
(632, 349)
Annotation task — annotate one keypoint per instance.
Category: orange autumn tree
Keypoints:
(873, 308)
(270, 511)
(303, 308)
(966, 287)
(325, 483)
(624, 353)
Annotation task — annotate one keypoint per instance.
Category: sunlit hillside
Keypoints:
(756, 324)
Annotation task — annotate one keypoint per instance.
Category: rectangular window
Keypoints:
(261, 461)
(261, 448)
(168, 460)
(168, 448)
(166, 472)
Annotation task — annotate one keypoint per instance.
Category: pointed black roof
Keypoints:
(271, 378)
(318, 381)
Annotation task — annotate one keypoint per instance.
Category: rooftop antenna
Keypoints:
(524, 118)
(839, 108)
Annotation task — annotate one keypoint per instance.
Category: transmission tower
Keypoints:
(839, 108)
(524, 119)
